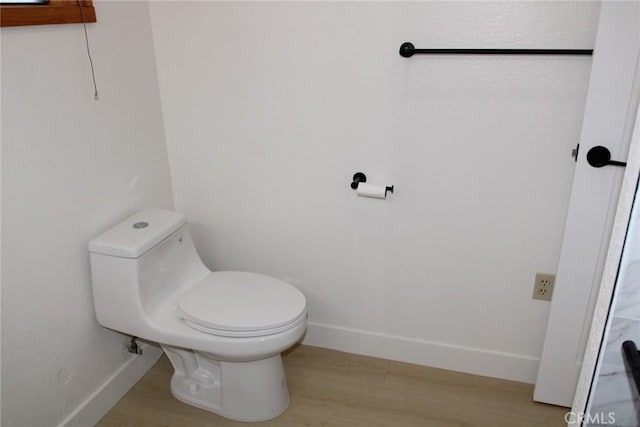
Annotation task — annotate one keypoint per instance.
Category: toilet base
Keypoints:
(243, 391)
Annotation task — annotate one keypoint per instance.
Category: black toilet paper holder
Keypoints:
(359, 177)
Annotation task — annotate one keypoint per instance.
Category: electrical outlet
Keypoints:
(543, 286)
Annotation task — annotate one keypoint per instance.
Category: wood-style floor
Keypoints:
(330, 388)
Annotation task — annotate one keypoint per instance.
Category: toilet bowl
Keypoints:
(222, 331)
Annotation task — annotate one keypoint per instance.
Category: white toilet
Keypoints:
(222, 331)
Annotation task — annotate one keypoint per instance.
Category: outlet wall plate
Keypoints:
(543, 286)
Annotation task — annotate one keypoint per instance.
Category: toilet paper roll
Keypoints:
(368, 190)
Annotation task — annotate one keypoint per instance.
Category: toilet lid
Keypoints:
(238, 301)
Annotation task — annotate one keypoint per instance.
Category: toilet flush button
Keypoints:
(141, 224)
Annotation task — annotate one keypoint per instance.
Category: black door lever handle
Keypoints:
(600, 156)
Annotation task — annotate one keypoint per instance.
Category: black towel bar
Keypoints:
(407, 49)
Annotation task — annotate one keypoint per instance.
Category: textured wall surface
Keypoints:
(271, 107)
(71, 167)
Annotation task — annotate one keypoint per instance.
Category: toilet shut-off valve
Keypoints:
(133, 346)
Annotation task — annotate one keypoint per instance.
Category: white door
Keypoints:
(606, 390)
(608, 121)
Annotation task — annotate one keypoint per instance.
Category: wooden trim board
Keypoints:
(55, 12)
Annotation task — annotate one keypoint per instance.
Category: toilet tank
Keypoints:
(138, 265)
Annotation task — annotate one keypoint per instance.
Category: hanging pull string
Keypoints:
(86, 39)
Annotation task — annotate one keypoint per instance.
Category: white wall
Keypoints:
(71, 167)
(270, 107)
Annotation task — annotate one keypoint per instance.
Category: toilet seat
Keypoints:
(241, 304)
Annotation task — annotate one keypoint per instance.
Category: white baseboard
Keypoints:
(515, 367)
(94, 407)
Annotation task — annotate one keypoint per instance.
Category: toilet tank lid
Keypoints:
(137, 234)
